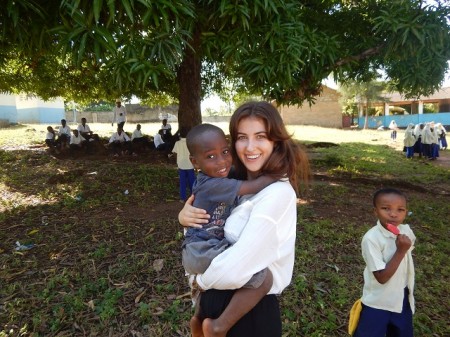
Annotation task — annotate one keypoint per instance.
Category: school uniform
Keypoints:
(409, 141)
(50, 139)
(186, 171)
(387, 308)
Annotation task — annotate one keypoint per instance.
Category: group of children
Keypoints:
(120, 143)
(77, 139)
(387, 299)
(425, 139)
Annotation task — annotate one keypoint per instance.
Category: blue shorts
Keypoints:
(383, 323)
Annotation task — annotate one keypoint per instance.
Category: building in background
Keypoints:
(30, 109)
(325, 112)
(433, 108)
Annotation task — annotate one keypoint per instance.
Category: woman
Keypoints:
(262, 227)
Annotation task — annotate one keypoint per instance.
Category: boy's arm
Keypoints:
(403, 243)
(256, 185)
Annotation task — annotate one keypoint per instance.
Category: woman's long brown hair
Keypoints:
(288, 159)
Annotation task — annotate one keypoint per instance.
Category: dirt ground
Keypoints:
(133, 216)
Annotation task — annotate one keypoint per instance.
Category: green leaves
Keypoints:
(279, 49)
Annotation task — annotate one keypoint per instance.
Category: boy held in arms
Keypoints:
(217, 194)
(388, 301)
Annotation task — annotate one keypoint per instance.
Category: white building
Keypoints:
(30, 109)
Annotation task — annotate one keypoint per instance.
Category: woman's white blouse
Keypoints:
(263, 230)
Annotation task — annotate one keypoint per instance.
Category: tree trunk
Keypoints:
(366, 119)
(189, 82)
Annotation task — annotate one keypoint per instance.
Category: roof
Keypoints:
(443, 93)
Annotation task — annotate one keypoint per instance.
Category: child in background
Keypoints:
(393, 127)
(77, 141)
(50, 139)
(441, 134)
(418, 135)
(215, 192)
(409, 140)
(186, 171)
(64, 134)
(388, 301)
(137, 138)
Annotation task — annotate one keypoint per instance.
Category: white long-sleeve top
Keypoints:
(409, 139)
(136, 134)
(76, 140)
(158, 140)
(123, 137)
(65, 130)
(262, 230)
(83, 128)
(427, 136)
(120, 114)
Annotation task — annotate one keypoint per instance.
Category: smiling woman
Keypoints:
(261, 229)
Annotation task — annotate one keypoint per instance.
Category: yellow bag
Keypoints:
(355, 312)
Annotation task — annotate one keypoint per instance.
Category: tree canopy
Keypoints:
(183, 50)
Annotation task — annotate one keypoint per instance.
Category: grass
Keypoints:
(108, 263)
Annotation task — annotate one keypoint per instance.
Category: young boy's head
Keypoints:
(209, 150)
(49, 129)
(138, 126)
(390, 206)
(75, 132)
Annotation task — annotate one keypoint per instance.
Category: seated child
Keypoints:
(216, 193)
(120, 143)
(63, 135)
(50, 138)
(85, 131)
(77, 142)
(387, 300)
(137, 138)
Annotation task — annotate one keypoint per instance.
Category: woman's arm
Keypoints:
(191, 216)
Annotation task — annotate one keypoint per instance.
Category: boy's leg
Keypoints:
(401, 324)
(372, 322)
(196, 322)
(243, 300)
(191, 178)
(182, 175)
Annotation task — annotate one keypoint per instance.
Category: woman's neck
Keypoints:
(252, 175)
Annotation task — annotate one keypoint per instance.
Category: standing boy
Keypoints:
(388, 301)
(186, 171)
(120, 114)
(217, 194)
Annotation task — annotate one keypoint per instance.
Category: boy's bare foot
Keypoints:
(211, 330)
(196, 327)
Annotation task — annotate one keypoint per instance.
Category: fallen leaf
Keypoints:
(91, 305)
(158, 265)
(138, 297)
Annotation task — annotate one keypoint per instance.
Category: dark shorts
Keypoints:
(382, 323)
(263, 320)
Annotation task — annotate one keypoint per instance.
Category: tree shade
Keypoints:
(183, 50)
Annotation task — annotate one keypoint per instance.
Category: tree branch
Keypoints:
(365, 54)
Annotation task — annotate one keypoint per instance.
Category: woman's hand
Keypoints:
(191, 216)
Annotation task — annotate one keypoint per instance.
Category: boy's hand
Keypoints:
(403, 243)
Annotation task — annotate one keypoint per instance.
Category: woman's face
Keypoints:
(253, 146)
